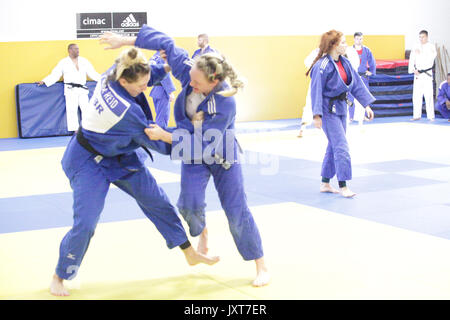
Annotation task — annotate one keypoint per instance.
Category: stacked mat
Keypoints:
(41, 110)
(392, 86)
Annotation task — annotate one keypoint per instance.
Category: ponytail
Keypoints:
(215, 67)
(328, 41)
(130, 65)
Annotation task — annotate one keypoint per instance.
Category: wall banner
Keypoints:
(92, 25)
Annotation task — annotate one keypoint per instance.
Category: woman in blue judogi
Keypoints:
(332, 79)
(105, 151)
(204, 139)
(162, 94)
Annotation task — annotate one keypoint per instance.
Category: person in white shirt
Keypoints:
(421, 63)
(307, 116)
(74, 70)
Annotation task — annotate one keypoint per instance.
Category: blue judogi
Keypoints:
(443, 95)
(199, 52)
(326, 84)
(367, 63)
(161, 94)
(209, 151)
(113, 125)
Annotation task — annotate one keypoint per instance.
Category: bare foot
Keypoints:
(415, 119)
(326, 187)
(203, 242)
(262, 274)
(346, 192)
(300, 134)
(57, 287)
(193, 257)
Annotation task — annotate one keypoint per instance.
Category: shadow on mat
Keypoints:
(186, 287)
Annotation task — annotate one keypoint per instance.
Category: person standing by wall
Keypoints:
(362, 60)
(307, 109)
(203, 44)
(74, 70)
(421, 63)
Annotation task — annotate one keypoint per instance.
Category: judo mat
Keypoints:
(396, 66)
(41, 110)
(391, 241)
(393, 93)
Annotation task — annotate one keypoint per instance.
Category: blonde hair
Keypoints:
(215, 67)
(130, 64)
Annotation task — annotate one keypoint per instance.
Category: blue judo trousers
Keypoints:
(160, 94)
(326, 86)
(113, 126)
(218, 159)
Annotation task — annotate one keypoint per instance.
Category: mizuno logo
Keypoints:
(130, 21)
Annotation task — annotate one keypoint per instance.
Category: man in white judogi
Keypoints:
(74, 70)
(421, 63)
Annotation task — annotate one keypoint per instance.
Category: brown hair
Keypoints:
(328, 41)
(70, 46)
(130, 65)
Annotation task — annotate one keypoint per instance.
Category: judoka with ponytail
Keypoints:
(108, 148)
(205, 112)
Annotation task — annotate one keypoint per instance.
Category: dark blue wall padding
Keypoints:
(393, 93)
(41, 110)
(385, 79)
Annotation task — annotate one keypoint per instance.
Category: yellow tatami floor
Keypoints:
(311, 252)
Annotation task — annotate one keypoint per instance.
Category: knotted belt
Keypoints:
(98, 156)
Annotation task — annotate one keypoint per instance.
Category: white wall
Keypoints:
(22, 20)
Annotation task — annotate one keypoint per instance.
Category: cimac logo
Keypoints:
(130, 21)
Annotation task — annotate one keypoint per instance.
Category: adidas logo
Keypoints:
(130, 21)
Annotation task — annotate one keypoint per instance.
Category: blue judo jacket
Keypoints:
(114, 124)
(216, 137)
(367, 61)
(326, 83)
(166, 86)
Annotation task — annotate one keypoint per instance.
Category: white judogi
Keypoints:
(421, 58)
(307, 116)
(74, 96)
